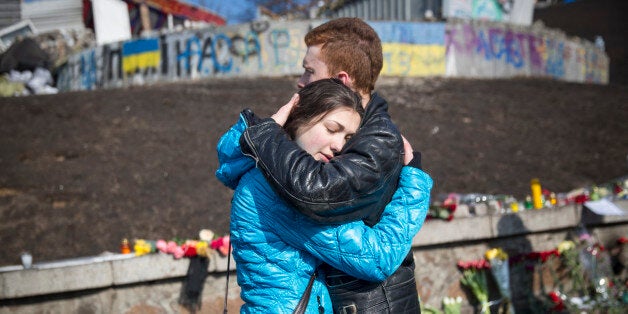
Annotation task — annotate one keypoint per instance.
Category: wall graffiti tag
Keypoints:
(502, 50)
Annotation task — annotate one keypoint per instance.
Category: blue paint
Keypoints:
(410, 33)
(140, 46)
(219, 67)
(87, 69)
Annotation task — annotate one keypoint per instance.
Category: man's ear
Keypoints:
(345, 78)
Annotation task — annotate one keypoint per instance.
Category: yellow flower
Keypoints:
(141, 247)
(566, 246)
(496, 253)
(202, 249)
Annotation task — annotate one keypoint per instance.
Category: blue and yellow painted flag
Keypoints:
(412, 49)
(140, 55)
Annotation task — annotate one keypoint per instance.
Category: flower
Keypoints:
(496, 253)
(143, 247)
(557, 300)
(474, 277)
(452, 305)
(581, 199)
(445, 212)
(202, 249)
(206, 235)
(171, 247)
(475, 280)
(565, 246)
(476, 264)
(221, 245)
(178, 252)
(189, 248)
(162, 246)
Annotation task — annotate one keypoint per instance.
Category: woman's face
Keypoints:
(326, 136)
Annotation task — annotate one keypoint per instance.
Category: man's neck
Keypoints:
(366, 98)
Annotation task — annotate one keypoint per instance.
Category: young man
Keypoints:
(360, 181)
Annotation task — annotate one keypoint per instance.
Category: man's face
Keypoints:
(314, 68)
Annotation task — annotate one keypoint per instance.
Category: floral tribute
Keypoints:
(445, 212)
(474, 278)
(448, 206)
(498, 259)
(582, 278)
(205, 246)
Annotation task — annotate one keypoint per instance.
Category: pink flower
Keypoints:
(221, 245)
(171, 247)
(162, 246)
(215, 244)
(178, 252)
(224, 249)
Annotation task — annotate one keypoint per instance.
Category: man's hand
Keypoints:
(282, 114)
(408, 152)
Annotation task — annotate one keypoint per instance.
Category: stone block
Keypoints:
(30, 282)
(456, 230)
(534, 221)
(148, 267)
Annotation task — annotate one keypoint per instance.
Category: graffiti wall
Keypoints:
(487, 49)
(465, 49)
(245, 50)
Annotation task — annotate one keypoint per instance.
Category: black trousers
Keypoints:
(397, 294)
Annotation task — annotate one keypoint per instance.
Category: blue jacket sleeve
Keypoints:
(232, 163)
(369, 253)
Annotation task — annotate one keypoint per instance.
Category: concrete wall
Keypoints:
(456, 49)
(488, 50)
(152, 283)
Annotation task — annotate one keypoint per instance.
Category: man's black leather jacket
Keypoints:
(356, 184)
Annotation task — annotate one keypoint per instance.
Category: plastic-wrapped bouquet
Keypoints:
(498, 260)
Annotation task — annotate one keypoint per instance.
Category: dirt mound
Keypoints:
(80, 171)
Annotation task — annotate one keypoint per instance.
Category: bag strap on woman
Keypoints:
(305, 299)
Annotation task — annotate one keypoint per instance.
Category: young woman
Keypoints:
(277, 249)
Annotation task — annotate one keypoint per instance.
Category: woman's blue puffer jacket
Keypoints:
(276, 248)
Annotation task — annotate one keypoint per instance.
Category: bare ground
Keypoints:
(80, 171)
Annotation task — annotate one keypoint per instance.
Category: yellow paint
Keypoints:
(141, 61)
(413, 60)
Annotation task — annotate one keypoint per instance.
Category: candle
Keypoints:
(537, 198)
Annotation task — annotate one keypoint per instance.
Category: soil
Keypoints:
(80, 171)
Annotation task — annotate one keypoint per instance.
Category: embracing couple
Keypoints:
(328, 195)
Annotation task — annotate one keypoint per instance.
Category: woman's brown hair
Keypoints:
(318, 98)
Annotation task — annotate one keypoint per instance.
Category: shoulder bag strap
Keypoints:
(305, 299)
